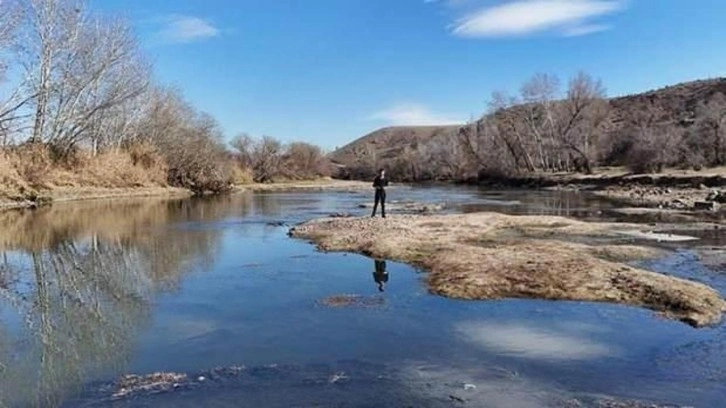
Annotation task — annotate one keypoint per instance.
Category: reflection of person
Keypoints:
(380, 276)
(380, 183)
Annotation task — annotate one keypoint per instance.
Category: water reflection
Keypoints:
(380, 275)
(526, 341)
(79, 302)
(76, 283)
(528, 202)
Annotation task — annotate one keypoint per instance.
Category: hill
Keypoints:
(687, 118)
(385, 145)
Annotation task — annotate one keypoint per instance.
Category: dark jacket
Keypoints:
(379, 183)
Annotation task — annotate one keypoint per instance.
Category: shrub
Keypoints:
(33, 163)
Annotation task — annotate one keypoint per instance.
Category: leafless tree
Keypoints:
(266, 159)
(712, 123)
(243, 145)
(78, 69)
(304, 161)
(652, 137)
(510, 129)
(539, 96)
(10, 94)
(581, 116)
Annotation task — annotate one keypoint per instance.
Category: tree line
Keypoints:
(547, 129)
(74, 84)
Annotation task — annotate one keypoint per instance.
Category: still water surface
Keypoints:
(91, 291)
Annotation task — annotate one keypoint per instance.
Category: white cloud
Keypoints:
(413, 114)
(522, 17)
(186, 29)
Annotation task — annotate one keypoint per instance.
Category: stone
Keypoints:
(678, 204)
(706, 205)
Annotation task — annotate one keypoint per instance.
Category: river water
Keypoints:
(95, 290)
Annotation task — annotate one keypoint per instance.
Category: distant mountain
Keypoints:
(675, 104)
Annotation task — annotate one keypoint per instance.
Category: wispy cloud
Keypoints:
(413, 114)
(186, 29)
(524, 17)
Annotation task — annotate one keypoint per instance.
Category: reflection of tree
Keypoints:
(81, 305)
(75, 286)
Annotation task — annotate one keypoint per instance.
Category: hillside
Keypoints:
(678, 106)
(389, 142)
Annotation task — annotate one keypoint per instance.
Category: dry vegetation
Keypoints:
(82, 109)
(269, 160)
(493, 256)
(546, 130)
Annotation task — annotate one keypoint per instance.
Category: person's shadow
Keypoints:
(380, 276)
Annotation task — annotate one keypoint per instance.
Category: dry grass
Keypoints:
(29, 171)
(242, 175)
(494, 256)
(12, 184)
(339, 301)
(114, 169)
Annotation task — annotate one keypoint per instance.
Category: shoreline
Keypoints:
(684, 190)
(607, 177)
(310, 185)
(487, 256)
(73, 194)
(58, 195)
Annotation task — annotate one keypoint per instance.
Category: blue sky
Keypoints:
(329, 71)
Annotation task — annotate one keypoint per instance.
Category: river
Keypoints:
(90, 291)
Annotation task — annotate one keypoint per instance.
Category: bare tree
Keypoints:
(109, 76)
(10, 20)
(712, 122)
(243, 144)
(78, 69)
(509, 129)
(304, 161)
(266, 159)
(653, 139)
(581, 116)
(539, 96)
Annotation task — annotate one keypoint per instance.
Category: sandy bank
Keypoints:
(314, 185)
(494, 256)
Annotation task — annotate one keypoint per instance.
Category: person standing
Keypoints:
(380, 183)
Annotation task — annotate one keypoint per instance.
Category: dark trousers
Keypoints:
(380, 198)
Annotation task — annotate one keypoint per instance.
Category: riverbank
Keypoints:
(610, 176)
(325, 184)
(493, 256)
(68, 194)
(677, 190)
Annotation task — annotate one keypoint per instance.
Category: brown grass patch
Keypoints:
(351, 301)
(27, 171)
(511, 266)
